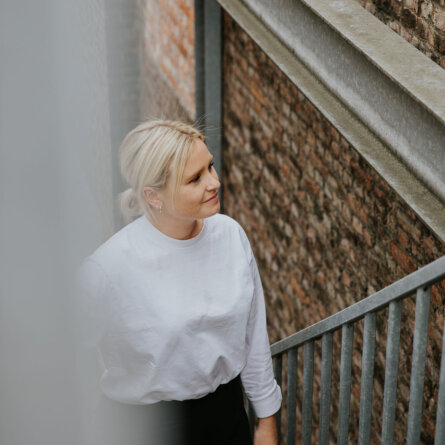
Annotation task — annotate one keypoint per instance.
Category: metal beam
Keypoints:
(199, 60)
(208, 71)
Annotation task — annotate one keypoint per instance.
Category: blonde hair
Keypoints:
(149, 155)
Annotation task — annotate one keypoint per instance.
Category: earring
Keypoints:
(160, 209)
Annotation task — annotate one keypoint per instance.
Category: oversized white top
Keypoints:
(173, 319)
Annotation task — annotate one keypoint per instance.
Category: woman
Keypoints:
(182, 321)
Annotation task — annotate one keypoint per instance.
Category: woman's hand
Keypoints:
(266, 431)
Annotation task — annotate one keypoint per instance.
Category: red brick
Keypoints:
(428, 424)
(334, 134)
(357, 225)
(256, 91)
(321, 279)
(403, 238)
(356, 391)
(426, 9)
(189, 12)
(408, 226)
(299, 291)
(436, 298)
(318, 163)
(310, 138)
(357, 207)
(346, 213)
(379, 193)
(313, 187)
(365, 178)
(301, 196)
(403, 259)
(332, 182)
(173, 16)
(166, 71)
(345, 278)
(285, 170)
(367, 237)
(439, 19)
(412, 4)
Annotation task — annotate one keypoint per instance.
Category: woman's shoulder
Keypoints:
(225, 221)
(231, 227)
(115, 246)
(111, 259)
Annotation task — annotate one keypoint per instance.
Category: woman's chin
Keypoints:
(214, 210)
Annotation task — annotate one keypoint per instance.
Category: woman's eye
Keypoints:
(196, 179)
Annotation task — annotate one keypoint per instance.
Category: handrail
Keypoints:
(419, 281)
(425, 276)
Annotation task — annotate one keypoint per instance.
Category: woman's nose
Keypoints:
(213, 182)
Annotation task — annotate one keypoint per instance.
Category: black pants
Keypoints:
(218, 418)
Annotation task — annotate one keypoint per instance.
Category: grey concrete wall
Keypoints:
(123, 24)
(56, 206)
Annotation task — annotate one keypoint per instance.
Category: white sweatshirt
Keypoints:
(174, 319)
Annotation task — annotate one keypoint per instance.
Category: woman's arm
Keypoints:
(266, 431)
(257, 375)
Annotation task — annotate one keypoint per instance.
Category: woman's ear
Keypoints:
(151, 196)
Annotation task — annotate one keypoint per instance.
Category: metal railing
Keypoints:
(392, 296)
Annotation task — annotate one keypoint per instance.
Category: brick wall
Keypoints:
(167, 59)
(420, 22)
(326, 229)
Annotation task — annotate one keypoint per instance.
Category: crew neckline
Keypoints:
(160, 237)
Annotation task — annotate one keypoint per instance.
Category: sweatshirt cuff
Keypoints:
(269, 405)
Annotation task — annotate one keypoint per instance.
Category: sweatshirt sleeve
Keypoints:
(257, 376)
(91, 288)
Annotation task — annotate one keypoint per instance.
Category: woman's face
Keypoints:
(197, 196)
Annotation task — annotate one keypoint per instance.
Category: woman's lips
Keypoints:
(213, 198)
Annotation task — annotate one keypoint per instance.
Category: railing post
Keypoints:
(440, 417)
(325, 399)
(291, 396)
(418, 365)
(345, 383)
(391, 371)
(367, 380)
(308, 379)
(278, 366)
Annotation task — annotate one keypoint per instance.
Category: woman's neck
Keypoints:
(177, 229)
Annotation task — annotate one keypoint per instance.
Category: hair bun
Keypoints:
(129, 204)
